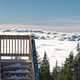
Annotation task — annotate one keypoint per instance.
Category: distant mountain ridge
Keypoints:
(55, 27)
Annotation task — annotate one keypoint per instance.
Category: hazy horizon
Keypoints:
(57, 28)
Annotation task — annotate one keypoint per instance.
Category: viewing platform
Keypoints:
(16, 56)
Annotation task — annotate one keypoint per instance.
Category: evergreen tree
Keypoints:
(78, 54)
(66, 73)
(45, 69)
(77, 64)
(55, 72)
(61, 75)
(68, 67)
(78, 46)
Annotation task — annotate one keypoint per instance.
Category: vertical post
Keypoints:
(0, 58)
(18, 46)
(15, 46)
(6, 46)
(3, 46)
(30, 53)
(9, 45)
(0, 46)
(12, 45)
(26, 46)
(21, 46)
(30, 48)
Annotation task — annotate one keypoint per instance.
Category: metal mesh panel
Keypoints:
(17, 70)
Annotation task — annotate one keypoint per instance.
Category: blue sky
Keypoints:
(39, 11)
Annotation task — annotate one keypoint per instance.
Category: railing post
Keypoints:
(0, 58)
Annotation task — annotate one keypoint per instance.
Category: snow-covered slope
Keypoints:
(60, 36)
(56, 50)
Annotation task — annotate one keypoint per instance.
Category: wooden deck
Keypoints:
(15, 46)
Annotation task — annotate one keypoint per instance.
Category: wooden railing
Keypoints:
(15, 45)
